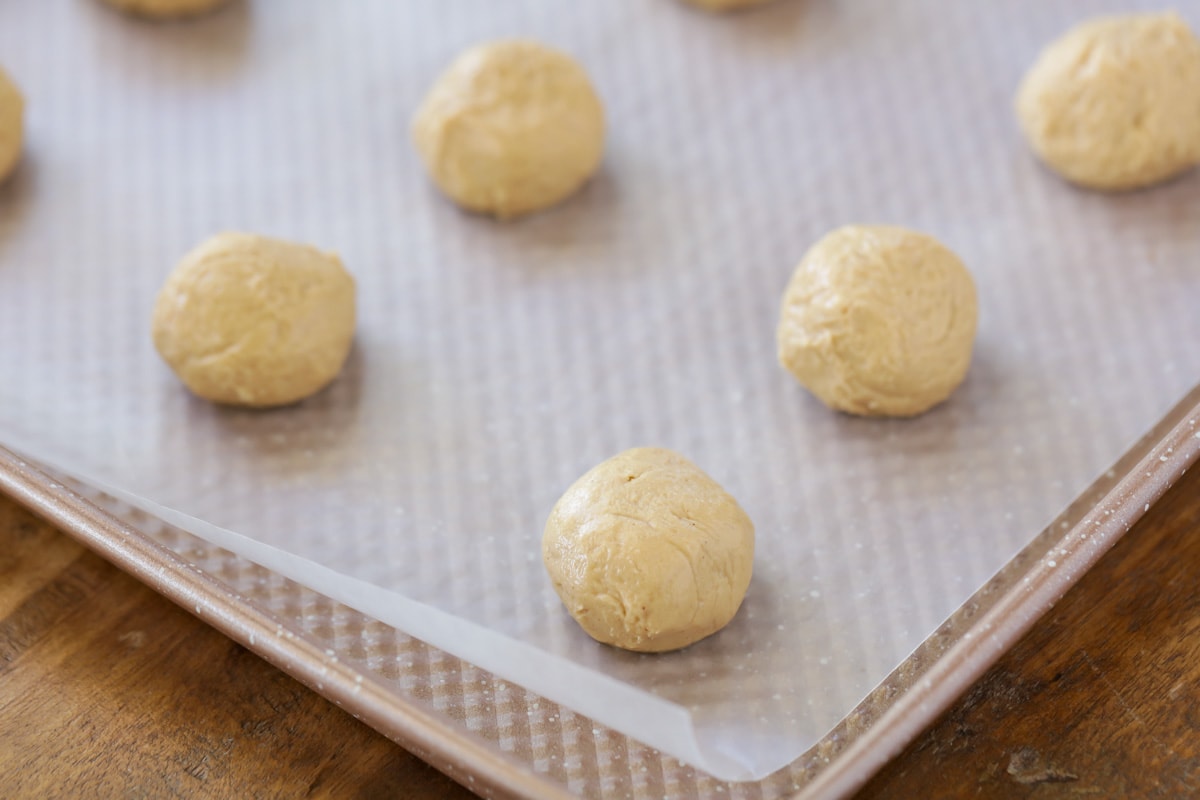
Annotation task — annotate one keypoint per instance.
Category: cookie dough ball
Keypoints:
(166, 9)
(12, 125)
(1115, 103)
(648, 553)
(726, 5)
(879, 321)
(251, 321)
(510, 128)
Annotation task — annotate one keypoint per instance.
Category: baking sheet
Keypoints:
(496, 362)
(503, 741)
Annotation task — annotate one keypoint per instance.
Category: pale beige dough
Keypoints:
(648, 553)
(252, 321)
(726, 5)
(1115, 103)
(165, 9)
(878, 321)
(12, 125)
(510, 128)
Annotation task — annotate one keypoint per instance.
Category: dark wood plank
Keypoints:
(108, 690)
(1099, 699)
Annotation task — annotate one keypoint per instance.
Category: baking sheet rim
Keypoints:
(1121, 497)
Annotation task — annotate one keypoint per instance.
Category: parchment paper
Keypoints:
(496, 362)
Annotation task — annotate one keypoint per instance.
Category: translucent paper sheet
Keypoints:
(496, 362)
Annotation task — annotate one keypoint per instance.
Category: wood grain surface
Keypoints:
(108, 690)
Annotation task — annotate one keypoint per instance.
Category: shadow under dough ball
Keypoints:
(12, 125)
(166, 9)
(1115, 103)
(878, 320)
(726, 5)
(510, 128)
(648, 553)
(251, 321)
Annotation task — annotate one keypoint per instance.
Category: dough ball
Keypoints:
(252, 321)
(510, 128)
(1115, 103)
(879, 321)
(726, 5)
(166, 9)
(12, 125)
(648, 553)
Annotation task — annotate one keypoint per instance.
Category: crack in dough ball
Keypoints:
(510, 128)
(166, 9)
(878, 321)
(12, 125)
(251, 321)
(726, 5)
(1115, 103)
(648, 553)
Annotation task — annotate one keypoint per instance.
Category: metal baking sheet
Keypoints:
(496, 362)
(503, 741)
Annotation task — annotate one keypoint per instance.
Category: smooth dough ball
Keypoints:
(648, 553)
(1115, 103)
(510, 128)
(251, 321)
(166, 9)
(725, 5)
(879, 321)
(12, 125)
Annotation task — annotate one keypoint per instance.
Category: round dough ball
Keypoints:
(166, 9)
(726, 5)
(879, 321)
(510, 128)
(251, 321)
(12, 125)
(648, 553)
(1115, 103)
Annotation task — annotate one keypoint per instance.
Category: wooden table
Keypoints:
(108, 690)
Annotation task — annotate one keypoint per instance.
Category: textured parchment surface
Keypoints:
(495, 363)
